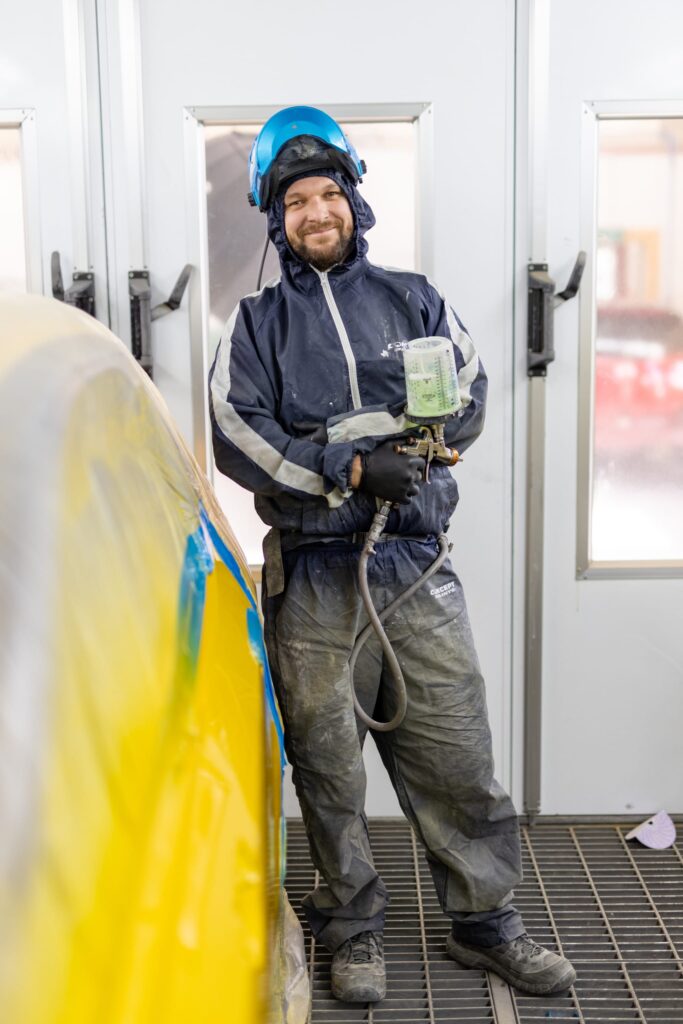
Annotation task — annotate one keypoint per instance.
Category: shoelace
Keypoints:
(527, 946)
(363, 948)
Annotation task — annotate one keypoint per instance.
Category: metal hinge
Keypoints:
(81, 292)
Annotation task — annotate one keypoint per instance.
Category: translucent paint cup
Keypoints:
(431, 379)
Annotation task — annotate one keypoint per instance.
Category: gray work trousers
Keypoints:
(439, 759)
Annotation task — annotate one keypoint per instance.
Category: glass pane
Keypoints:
(638, 400)
(12, 244)
(236, 235)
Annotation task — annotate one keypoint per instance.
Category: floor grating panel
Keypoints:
(613, 907)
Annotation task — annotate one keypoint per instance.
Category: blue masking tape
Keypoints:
(227, 556)
(254, 630)
(197, 565)
(259, 648)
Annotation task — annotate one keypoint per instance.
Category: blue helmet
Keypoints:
(297, 140)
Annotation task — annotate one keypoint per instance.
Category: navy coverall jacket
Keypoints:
(316, 348)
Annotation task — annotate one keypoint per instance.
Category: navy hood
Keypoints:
(363, 219)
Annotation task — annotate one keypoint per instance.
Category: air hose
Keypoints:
(377, 618)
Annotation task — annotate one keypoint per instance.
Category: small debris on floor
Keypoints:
(658, 832)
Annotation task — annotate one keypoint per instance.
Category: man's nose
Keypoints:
(317, 209)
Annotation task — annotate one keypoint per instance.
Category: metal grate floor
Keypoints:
(614, 908)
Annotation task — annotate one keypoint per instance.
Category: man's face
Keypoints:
(318, 221)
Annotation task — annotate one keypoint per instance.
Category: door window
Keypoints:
(12, 235)
(637, 443)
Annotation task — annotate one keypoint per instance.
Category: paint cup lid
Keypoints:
(658, 832)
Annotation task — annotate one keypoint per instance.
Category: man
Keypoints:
(307, 396)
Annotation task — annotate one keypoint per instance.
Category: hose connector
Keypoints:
(378, 526)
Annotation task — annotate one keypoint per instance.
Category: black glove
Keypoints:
(390, 474)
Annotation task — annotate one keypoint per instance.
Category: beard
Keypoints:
(330, 253)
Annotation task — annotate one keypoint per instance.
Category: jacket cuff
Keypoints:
(337, 461)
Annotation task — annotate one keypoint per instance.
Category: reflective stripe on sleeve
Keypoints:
(248, 441)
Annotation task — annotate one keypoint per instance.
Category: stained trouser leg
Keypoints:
(440, 758)
(310, 631)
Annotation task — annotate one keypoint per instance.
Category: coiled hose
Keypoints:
(376, 620)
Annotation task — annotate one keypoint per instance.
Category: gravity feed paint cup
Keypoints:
(431, 379)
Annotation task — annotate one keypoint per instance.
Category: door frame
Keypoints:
(532, 43)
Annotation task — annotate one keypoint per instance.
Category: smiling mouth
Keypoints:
(321, 231)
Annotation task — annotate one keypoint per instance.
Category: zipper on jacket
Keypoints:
(343, 337)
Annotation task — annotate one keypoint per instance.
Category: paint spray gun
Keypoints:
(432, 399)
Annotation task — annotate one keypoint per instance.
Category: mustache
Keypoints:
(325, 226)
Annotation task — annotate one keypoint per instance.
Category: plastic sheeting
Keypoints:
(140, 744)
(296, 992)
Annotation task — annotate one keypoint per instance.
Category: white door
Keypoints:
(50, 152)
(448, 66)
(613, 637)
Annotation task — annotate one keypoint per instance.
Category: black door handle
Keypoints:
(542, 302)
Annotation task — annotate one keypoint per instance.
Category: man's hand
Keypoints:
(386, 473)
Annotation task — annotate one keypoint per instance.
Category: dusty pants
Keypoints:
(439, 759)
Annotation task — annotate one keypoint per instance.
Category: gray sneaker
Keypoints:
(522, 963)
(358, 972)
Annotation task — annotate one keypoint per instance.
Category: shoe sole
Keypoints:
(478, 958)
(360, 993)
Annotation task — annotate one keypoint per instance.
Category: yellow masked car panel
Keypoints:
(140, 762)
